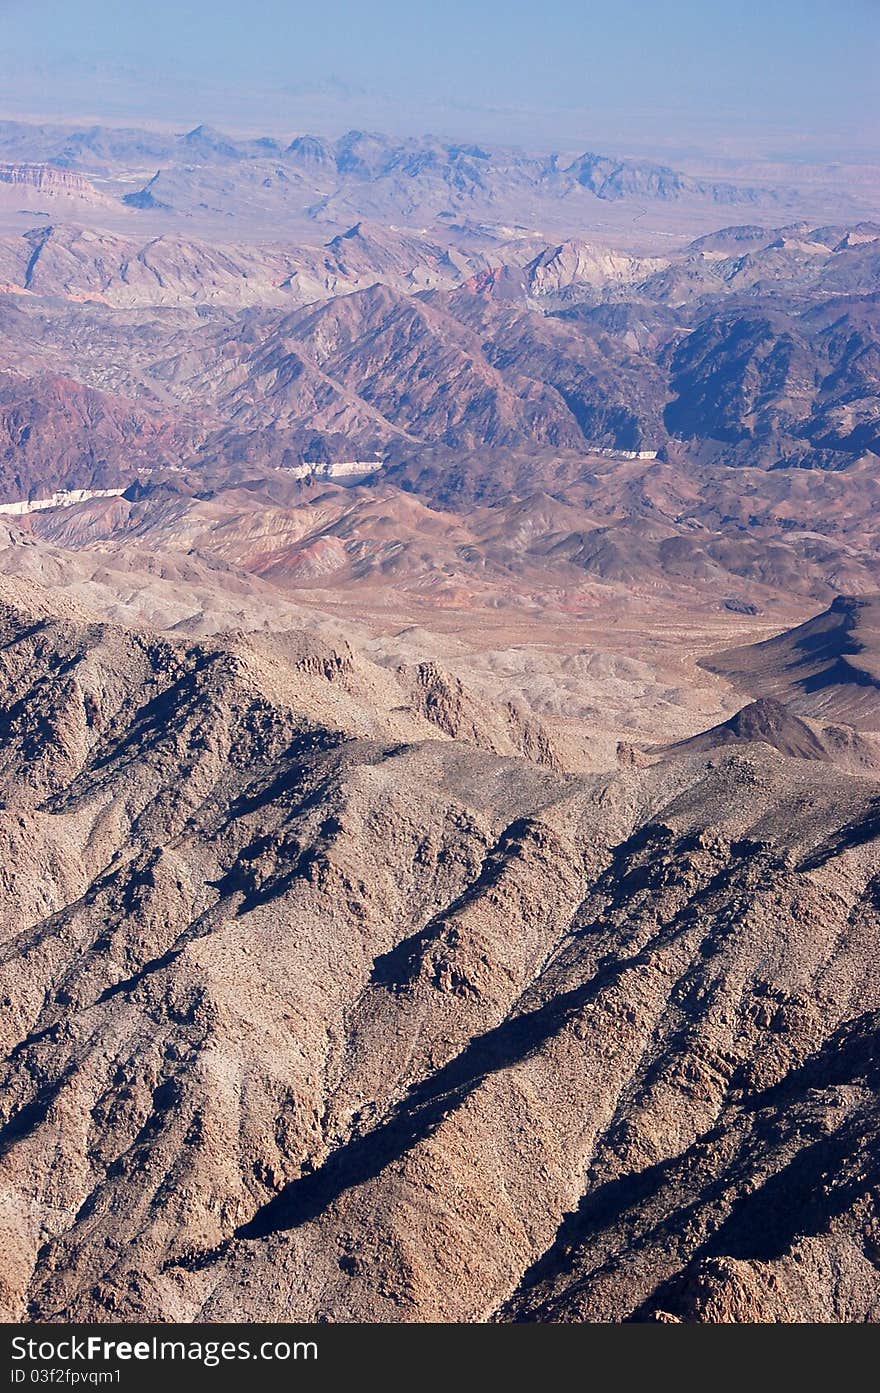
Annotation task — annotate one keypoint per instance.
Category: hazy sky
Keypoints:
(798, 73)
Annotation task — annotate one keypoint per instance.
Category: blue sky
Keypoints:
(796, 71)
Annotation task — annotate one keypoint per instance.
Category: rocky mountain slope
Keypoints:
(127, 271)
(766, 722)
(317, 1013)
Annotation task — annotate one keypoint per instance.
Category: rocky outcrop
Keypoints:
(564, 273)
(51, 181)
(444, 701)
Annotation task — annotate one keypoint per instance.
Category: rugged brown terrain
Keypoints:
(439, 735)
(377, 1012)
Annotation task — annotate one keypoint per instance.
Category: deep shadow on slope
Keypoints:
(824, 1177)
(418, 1116)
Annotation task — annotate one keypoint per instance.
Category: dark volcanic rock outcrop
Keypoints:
(765, 722)
(828, 667)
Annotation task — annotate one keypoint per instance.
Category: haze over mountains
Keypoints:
(214, 178)
(439, 733)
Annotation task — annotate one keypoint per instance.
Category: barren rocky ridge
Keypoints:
(311, 1001)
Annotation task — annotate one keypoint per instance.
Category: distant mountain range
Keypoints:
(754, 347)
(365, 156)
(205, 173)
